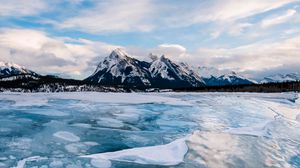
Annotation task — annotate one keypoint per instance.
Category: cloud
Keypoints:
(232, 29)
(253, 60)
(22, 8)
(283, 69)
(175, 52)
(79, 57)
(44, 54)
(113, 16)
(171, 50)
(279, 19)
(117, 16)
(222, 24)
(220, 11)
(261, 56)
(225, 18)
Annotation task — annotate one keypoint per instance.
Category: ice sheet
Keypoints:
(168, 155)
(130, 129)
(40, 99)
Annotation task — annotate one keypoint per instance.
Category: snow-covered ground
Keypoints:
(149, 130)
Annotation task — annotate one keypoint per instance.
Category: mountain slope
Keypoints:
(278, 78)
(120, 69)
(214, 77)
(168, 74)
(10, 71)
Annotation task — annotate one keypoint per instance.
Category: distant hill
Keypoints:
(278, 78)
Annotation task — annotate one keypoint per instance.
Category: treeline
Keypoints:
(52, 84)
(30, 82)
(267, 87)
(56, 84)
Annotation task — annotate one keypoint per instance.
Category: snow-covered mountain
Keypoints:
(121, 69)
(278, 78)
(215, 77)
(166, 73)
(11, 71)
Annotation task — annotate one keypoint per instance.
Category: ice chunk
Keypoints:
(22, 163)
(79, 147)
(47, 112)
(21, 143)
(110, 122)
(68, 136)
(168, 155)
(288, 111)
(31, 101)
(101, 163)
(82, 125)
(56, 163)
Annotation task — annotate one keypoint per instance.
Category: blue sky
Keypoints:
(69, 37)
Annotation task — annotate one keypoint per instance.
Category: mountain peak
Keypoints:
(8, 70)
(118, 53)
(121, 69)
(163, 58)
(9, 65)
(153, 57)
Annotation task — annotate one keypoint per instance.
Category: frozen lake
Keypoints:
(149, 130)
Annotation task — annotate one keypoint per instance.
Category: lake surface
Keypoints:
(149, 130)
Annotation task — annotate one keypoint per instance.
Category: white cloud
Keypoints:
(259, 57)
(44, 54)
(113, 16)
(231, 29)
(145, 15)
(172, 50)
(253, 57)
(175, 52)
(21, 7)
(78, 57)
(221, 11)
(278, 19)
(228, 17)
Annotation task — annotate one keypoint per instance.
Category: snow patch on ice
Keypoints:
(67, 136)
(24, 99)
(101, 163)
(260, 129)
(56, 163)
(167, 155)
(298, 99)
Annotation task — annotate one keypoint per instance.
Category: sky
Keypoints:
(255, 38)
